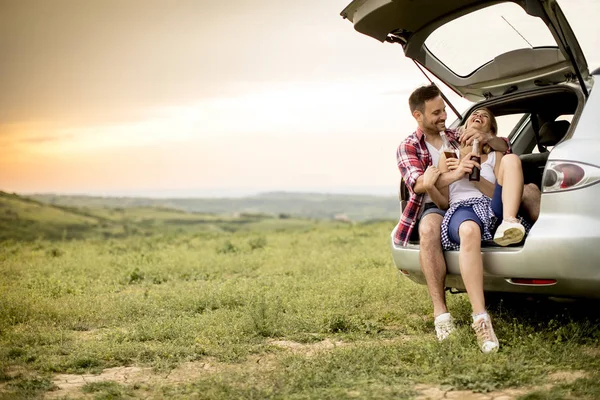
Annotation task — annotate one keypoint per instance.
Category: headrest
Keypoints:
(552, 132)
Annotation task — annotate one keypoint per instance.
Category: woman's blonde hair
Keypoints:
(493, 125)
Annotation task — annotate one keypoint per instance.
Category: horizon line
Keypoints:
(212, 194)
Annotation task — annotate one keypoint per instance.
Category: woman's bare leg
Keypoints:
(510, 177)
(471, 264)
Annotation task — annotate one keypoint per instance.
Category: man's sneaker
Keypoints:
(509, 232)
(486, 338)
(444, 326)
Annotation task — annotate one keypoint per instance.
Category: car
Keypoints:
(528, 68)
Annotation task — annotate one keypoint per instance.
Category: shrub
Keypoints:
(257, 243)
(227, 248)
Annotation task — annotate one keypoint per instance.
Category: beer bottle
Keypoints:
(449, 151)
(474, 175)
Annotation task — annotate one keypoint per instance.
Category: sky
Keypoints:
(197, 98)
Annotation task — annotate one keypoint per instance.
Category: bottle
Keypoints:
(449, 151)
(474, 175)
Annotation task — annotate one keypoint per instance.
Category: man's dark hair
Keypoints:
(417, 99)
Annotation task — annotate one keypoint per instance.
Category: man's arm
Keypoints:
(411, 167)
(464, 166)
(500, 144)
(446, 179)
(440, 198)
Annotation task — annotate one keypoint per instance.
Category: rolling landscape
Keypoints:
(197, 198)
(301, 205)
(76, 217)
(104, 298)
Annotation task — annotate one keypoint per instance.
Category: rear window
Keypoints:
(507, 123)
(467, 43)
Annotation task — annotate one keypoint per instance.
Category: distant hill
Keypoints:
(25, 219)
(302, 205)
(65, 218)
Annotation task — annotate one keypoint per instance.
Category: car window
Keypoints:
(507, 123)
(506, 26)
(565, 117)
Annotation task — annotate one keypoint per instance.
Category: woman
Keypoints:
(474, 210)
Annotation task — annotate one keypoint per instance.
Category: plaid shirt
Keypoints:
(413, 159)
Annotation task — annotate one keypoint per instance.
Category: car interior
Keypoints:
(546, 118)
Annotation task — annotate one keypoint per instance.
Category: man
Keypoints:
(417, 157)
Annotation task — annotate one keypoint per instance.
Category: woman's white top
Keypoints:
(464, 189)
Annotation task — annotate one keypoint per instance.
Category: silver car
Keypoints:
(539, 87)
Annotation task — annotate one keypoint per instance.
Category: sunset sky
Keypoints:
(198, 98)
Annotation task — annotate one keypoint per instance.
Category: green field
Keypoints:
(255, 307)
(303, 205)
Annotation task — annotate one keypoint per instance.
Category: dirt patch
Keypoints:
(592, 351)
(16, 371)
(70, 385)
(308, 349)
(429, 392)
(566, 376)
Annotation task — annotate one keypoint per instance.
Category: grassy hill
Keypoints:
(302, 205)
(26, 219)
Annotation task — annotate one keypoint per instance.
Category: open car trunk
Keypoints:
(524, 43)
(519, 58)
(544, 118)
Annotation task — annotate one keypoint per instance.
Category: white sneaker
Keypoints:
(486, 338)
(509, 232)
(444, 326)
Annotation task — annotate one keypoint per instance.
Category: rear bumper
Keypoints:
(572, 259)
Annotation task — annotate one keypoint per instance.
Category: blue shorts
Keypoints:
(428, 208)
(466, 213)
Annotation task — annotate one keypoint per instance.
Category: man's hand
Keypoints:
(430, 176)
(467, 136)
(452, 163)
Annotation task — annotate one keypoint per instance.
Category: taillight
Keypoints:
(568, 175)
(532, 282)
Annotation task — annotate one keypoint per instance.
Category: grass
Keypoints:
(296, 311)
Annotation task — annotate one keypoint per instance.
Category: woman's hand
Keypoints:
(430, 177)
(468, 135)
(466, 165)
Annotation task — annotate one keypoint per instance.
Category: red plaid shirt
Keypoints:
(413, 159)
